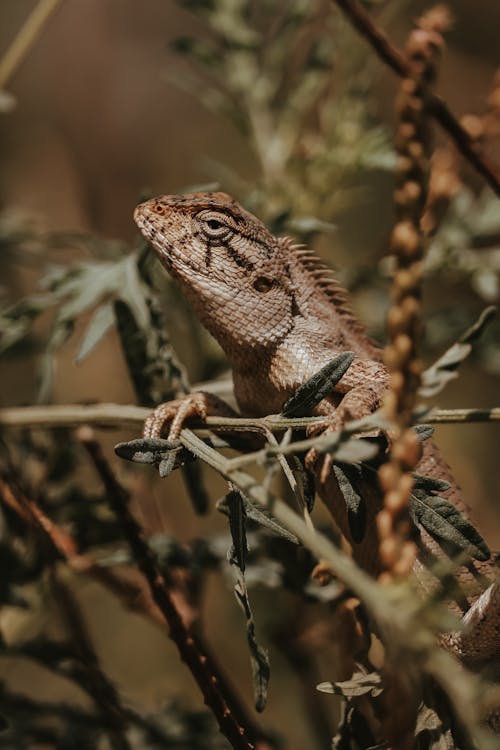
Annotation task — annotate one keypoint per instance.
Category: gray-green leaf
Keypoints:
(436, 377)
(356, 509)
(102, 320)
(359, 684)
(445, 523)
(307, 396)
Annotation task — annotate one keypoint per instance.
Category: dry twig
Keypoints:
(199, 664)
(400, 64)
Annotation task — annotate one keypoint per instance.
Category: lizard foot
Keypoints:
(335, 422)
(174, 413)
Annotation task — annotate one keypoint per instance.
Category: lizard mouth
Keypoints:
(172, 255)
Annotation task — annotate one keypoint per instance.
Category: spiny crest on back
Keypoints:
(324, 282)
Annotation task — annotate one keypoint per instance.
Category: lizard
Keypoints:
(280, 315)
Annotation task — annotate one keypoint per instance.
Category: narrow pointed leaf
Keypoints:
(258, 655)
(445, 368)
(360, 684)
(102, 320)
(164, 454)
(424, 432)
(306, 480)
(356, 508)
(430, 484)
(237, 517)
(445, 523)
(261, 516)
(307, 396)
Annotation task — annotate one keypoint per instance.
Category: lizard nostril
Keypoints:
(159, 209)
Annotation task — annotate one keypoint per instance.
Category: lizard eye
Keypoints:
(263, 284)
(213, 225)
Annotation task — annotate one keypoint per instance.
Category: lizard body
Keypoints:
(280, 316)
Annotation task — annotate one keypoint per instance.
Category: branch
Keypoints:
(101, 690)
(199, 664)
(131, 593)
(124, 415)
(395, 610)
(392, 57)
(25, 38)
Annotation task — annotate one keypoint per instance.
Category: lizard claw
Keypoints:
(334, 423)
(198, 404)
(311, 460)
(175, 412)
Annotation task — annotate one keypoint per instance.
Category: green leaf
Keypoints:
(102, 320)
(360, 684)
(356, 508)
(307, 396)
(445, 523)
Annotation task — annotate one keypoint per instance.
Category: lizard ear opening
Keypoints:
(295, 308)
(263, 284)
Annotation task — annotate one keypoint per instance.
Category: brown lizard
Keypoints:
(280, 316)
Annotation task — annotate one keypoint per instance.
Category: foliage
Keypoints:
(305, 107)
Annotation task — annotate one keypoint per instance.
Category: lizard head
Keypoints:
(228, 264)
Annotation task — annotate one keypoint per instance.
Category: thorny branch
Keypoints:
(101, 689)
(399, 63)
(199, 664)
(59, 541)
(131, 594)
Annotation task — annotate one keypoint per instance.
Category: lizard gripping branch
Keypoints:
(280, 318)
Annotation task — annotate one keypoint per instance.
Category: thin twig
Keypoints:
(25, 38)
(124, 415)
(131, 593)
(189, 649)
(101, 690)
(392, 57)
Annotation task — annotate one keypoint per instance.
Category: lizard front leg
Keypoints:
(199, 404)
(357, 394)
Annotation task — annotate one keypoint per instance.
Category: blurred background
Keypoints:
(289, 111)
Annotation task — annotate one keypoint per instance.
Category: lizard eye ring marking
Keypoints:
(263, 284)
(215, 225)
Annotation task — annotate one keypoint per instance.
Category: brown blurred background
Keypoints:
(96, 124)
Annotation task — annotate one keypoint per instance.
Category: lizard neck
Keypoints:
(264, 380)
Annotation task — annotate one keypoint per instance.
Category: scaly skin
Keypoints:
(280, 316)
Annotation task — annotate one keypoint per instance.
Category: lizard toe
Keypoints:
(174, 413)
